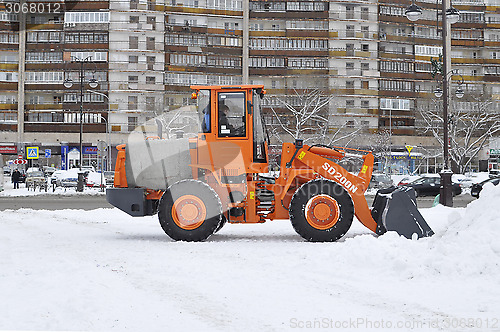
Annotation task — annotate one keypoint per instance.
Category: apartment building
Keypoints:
(406, 49)
(145, 55)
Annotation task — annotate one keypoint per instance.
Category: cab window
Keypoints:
(231, 114)
(204, 110)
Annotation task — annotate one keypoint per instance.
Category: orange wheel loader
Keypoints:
(220, 175)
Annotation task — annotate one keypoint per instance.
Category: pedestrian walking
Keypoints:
(16, 175)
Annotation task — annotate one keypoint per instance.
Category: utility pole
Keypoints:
(20, 79)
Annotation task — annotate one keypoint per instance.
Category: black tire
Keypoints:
(222, 223)
(199, 197)
(311, 192)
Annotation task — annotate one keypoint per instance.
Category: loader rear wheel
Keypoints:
(321, 211)
(190, 210)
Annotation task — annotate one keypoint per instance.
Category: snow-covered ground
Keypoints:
(103, 270)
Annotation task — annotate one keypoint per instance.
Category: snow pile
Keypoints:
(465, 244)
(475, 236)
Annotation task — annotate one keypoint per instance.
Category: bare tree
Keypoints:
(183, 119)
(380, 144)
(305, 116)
(468, 128)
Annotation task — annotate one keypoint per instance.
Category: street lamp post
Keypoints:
(449, 15)
(68, 83)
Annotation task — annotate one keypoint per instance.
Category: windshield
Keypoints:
(418, 181)
(35, 173)
(258, 130)
(204, 110)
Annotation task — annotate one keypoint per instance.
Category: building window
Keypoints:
(150, 80)
(86, 17)
(151, 20)
(396, 66)
(364, 13)
(365, 47)
(365, 31)
(150, 43)
(151, 5)
(91, 56)
(133, 59)
(151, 62)
(349, 65)
(134, 4)
(395, 104)
(349, 84)
(365, 66)
(132, 123)
(349, 103)
(132, 102)
(349, 49)
(150, 103)
(349, 31)
(133, 79)
(134, 19)
(133, 42)
(365, 104)
(349, 12)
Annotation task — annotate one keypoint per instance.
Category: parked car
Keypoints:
(6, 171)
(380, 181)
(110, 177)
(465, 182)
(430, 186)
(477, 187)
(88, 168)
(48, 171)
(69, 178)
(55, 178)
(36, 179)
(93, 179)
(22, 177)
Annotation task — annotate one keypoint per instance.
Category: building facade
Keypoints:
(145, 55)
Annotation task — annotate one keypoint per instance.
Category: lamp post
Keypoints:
(449, 15)
(68, 83)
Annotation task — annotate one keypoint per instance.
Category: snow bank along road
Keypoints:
(102, 270)
(89, 202)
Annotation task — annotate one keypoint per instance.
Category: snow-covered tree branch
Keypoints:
(304, 115)
(470, 124)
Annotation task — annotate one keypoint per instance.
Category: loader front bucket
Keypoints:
(395, 209)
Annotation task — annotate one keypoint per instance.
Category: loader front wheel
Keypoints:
(190, 210)
(321, 211)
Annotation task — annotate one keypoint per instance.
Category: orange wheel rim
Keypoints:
(189, 212)
(322, 212)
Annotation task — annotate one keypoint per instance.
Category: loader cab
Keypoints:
(232, 116)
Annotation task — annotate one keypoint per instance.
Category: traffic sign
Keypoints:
(48, 153)
(494, 151)
(20, 161)
(32, 152)
(409, 148)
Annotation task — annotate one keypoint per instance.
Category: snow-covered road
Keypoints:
(103, 270)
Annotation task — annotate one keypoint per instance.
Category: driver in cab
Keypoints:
(225, 126)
